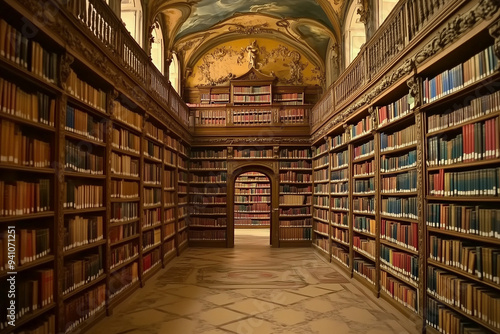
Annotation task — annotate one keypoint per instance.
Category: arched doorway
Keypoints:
(237, 168)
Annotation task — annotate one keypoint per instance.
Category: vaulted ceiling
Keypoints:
(199, 31)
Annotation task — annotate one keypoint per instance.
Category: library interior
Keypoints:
(249, 166)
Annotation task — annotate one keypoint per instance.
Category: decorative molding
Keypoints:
(420, 209)
(250, 30)
(254, 140)
(415, 84)
(65, 69)
(484, 10)
(495, 33)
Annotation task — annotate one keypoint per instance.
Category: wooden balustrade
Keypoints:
(108, 28)
(398, 30)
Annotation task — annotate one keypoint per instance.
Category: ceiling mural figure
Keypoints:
(252, 50)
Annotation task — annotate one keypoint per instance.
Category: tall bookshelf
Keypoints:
(321, 198)
(81, 186)
(338, 189)
(462, 179)
(170, 189)
(208, 196)
(363, 206)
(252, 201)
(182, 195)
(125, 228)
(295, 197)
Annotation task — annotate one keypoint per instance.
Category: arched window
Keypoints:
(355, 34)
(131, 14)
(173, 73)
(157, 47)
(384, 9)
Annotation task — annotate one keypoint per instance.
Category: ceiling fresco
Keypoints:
(196, 28)
(207, 13)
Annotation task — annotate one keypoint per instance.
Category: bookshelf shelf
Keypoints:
(82, 211)
(408, 220)
(84, 175)
(367, 234)
(79, 137)
(462, 165)
(364, 254)
(30, 265)
(79, 249)
(125, 263)
(29, 317)
(399, 149)
(469, 236)
(397, 171)
(124, 240)
(364, 158)
(464, 198)
(84, 287)
(394, 245)
(18, 168)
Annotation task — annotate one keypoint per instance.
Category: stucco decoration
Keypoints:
(233, 59)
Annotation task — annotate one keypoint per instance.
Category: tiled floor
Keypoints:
(252, 289)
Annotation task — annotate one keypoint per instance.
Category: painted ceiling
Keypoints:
(195, 28)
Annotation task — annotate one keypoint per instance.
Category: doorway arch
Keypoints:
(269, 169)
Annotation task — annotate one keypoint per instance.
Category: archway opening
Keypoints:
(252, 209)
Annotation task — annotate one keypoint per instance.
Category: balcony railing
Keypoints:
(406, 21)
(110, 31)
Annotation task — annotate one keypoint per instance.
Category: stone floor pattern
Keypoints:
(252, 289)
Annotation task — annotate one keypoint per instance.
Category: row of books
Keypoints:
(400, 207)
(364, 269)
(295, 211)
(323, 148)
(340, 159)
(403, 182)
(154, 131)
(364, 245)
(79, 231)
(296, 223)
(399, 291)
(223, 190)
(206, 221)
(131, 118)
(151, 196)
(478, 107)
(475, 68)
(342, 218)
(150, 260)
(215, 97)
(152, 174)
(292, 176)
(124, 165)
(365, 168)
(252, 89)
(196, 199)
(123, 253)
(251, 99)
(220, 177)
(206, 164)
(402, 234)
(120, 232)
(445, 320)
(207, 210)
(123, 279)
(340, 203)
(394, 164)
(122, 212)
(207, 235)
(476, 260)
(37, 107)
(83, 306)
(22, 197)
(85, 124)
(292, 116)
(209, 153)
(301, 164)
(31, 244)
(320, 201)
(210, 117)
(77, 273)
(253, 153)
(364, 204)
(477, 141)
(20, 148)
(321, 227)
(398, 139)
(295, 189)
(151, 150)
(400, 261)
(152, 217)
(251, 198)
(33, 292)
(85, 92)
(252, 207)
(299, 233)
(169, 157)
(321, 162)
(465, 219)
(477, 301)
(395, 110)
(82, 161)
(482, 182)
(360, 223)
(364, 149)
(124, 189)
(340, 254)
(362, 127)
(321, 213)
(364, 186)
(289, 153)
(125, 140)
(339, 140)
(336, 188)
(151, 238)
(82, 196)
(321, 175)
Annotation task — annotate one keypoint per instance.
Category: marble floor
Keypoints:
(252, 289)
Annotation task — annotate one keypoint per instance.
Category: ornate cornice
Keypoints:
(248, 140)
(455, 27)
